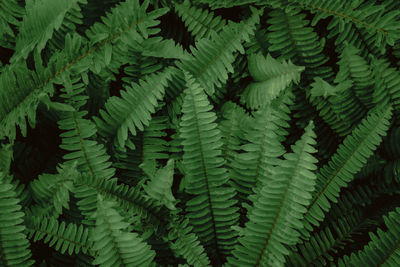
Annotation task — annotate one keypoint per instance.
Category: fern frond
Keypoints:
(263, 146)
(129, 198)
(387, 86)
(323, 245)
(290, 37)
(114, 245)
(383, 249)
(232, 129)
(77, 139)
(14, 246)
(55, 188)
(159, 187)
(200, 23)
(212, 59)
(64, 237)
(369, 16)
(271, 78)
(106, 40)
(211, 211)
(10, 13)
(356, 69)
(42, 18)
(133, 109)
(347, 161)
(186, 244)
(275, 218)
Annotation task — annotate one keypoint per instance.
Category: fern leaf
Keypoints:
(263, 146)
(205, 177)
(271, 78)
(114, 245)
(200, 23)
(38, 24)
(76, 139)
(10, 13)
(185, 243)
(275, 218)
(387, 84)
(128, 198)
(383, 249)
(212, 59)
(348, 160)
(355, 68)
(65, 237)
(14, 246)
(370, 16)
(133, 109)
(55, 188)
(159, 187)
(290, 37)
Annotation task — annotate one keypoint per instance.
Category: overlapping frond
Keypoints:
(132, 111)
(159, 186)
(55, 188)
(114, 245)
(356, 69)
(212, 58)
(22, 88)
(368, 15)
(262, 146)
(41, 19)
(10, 13)
(211, 211)
(271, 77)
(275, 218)
(387, 86)
(383, 249)
(290, 37)
(185, 243)
(347, 161)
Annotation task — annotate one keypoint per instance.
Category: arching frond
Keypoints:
(348, 160)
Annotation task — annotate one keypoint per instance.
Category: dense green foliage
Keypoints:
(200, 133)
